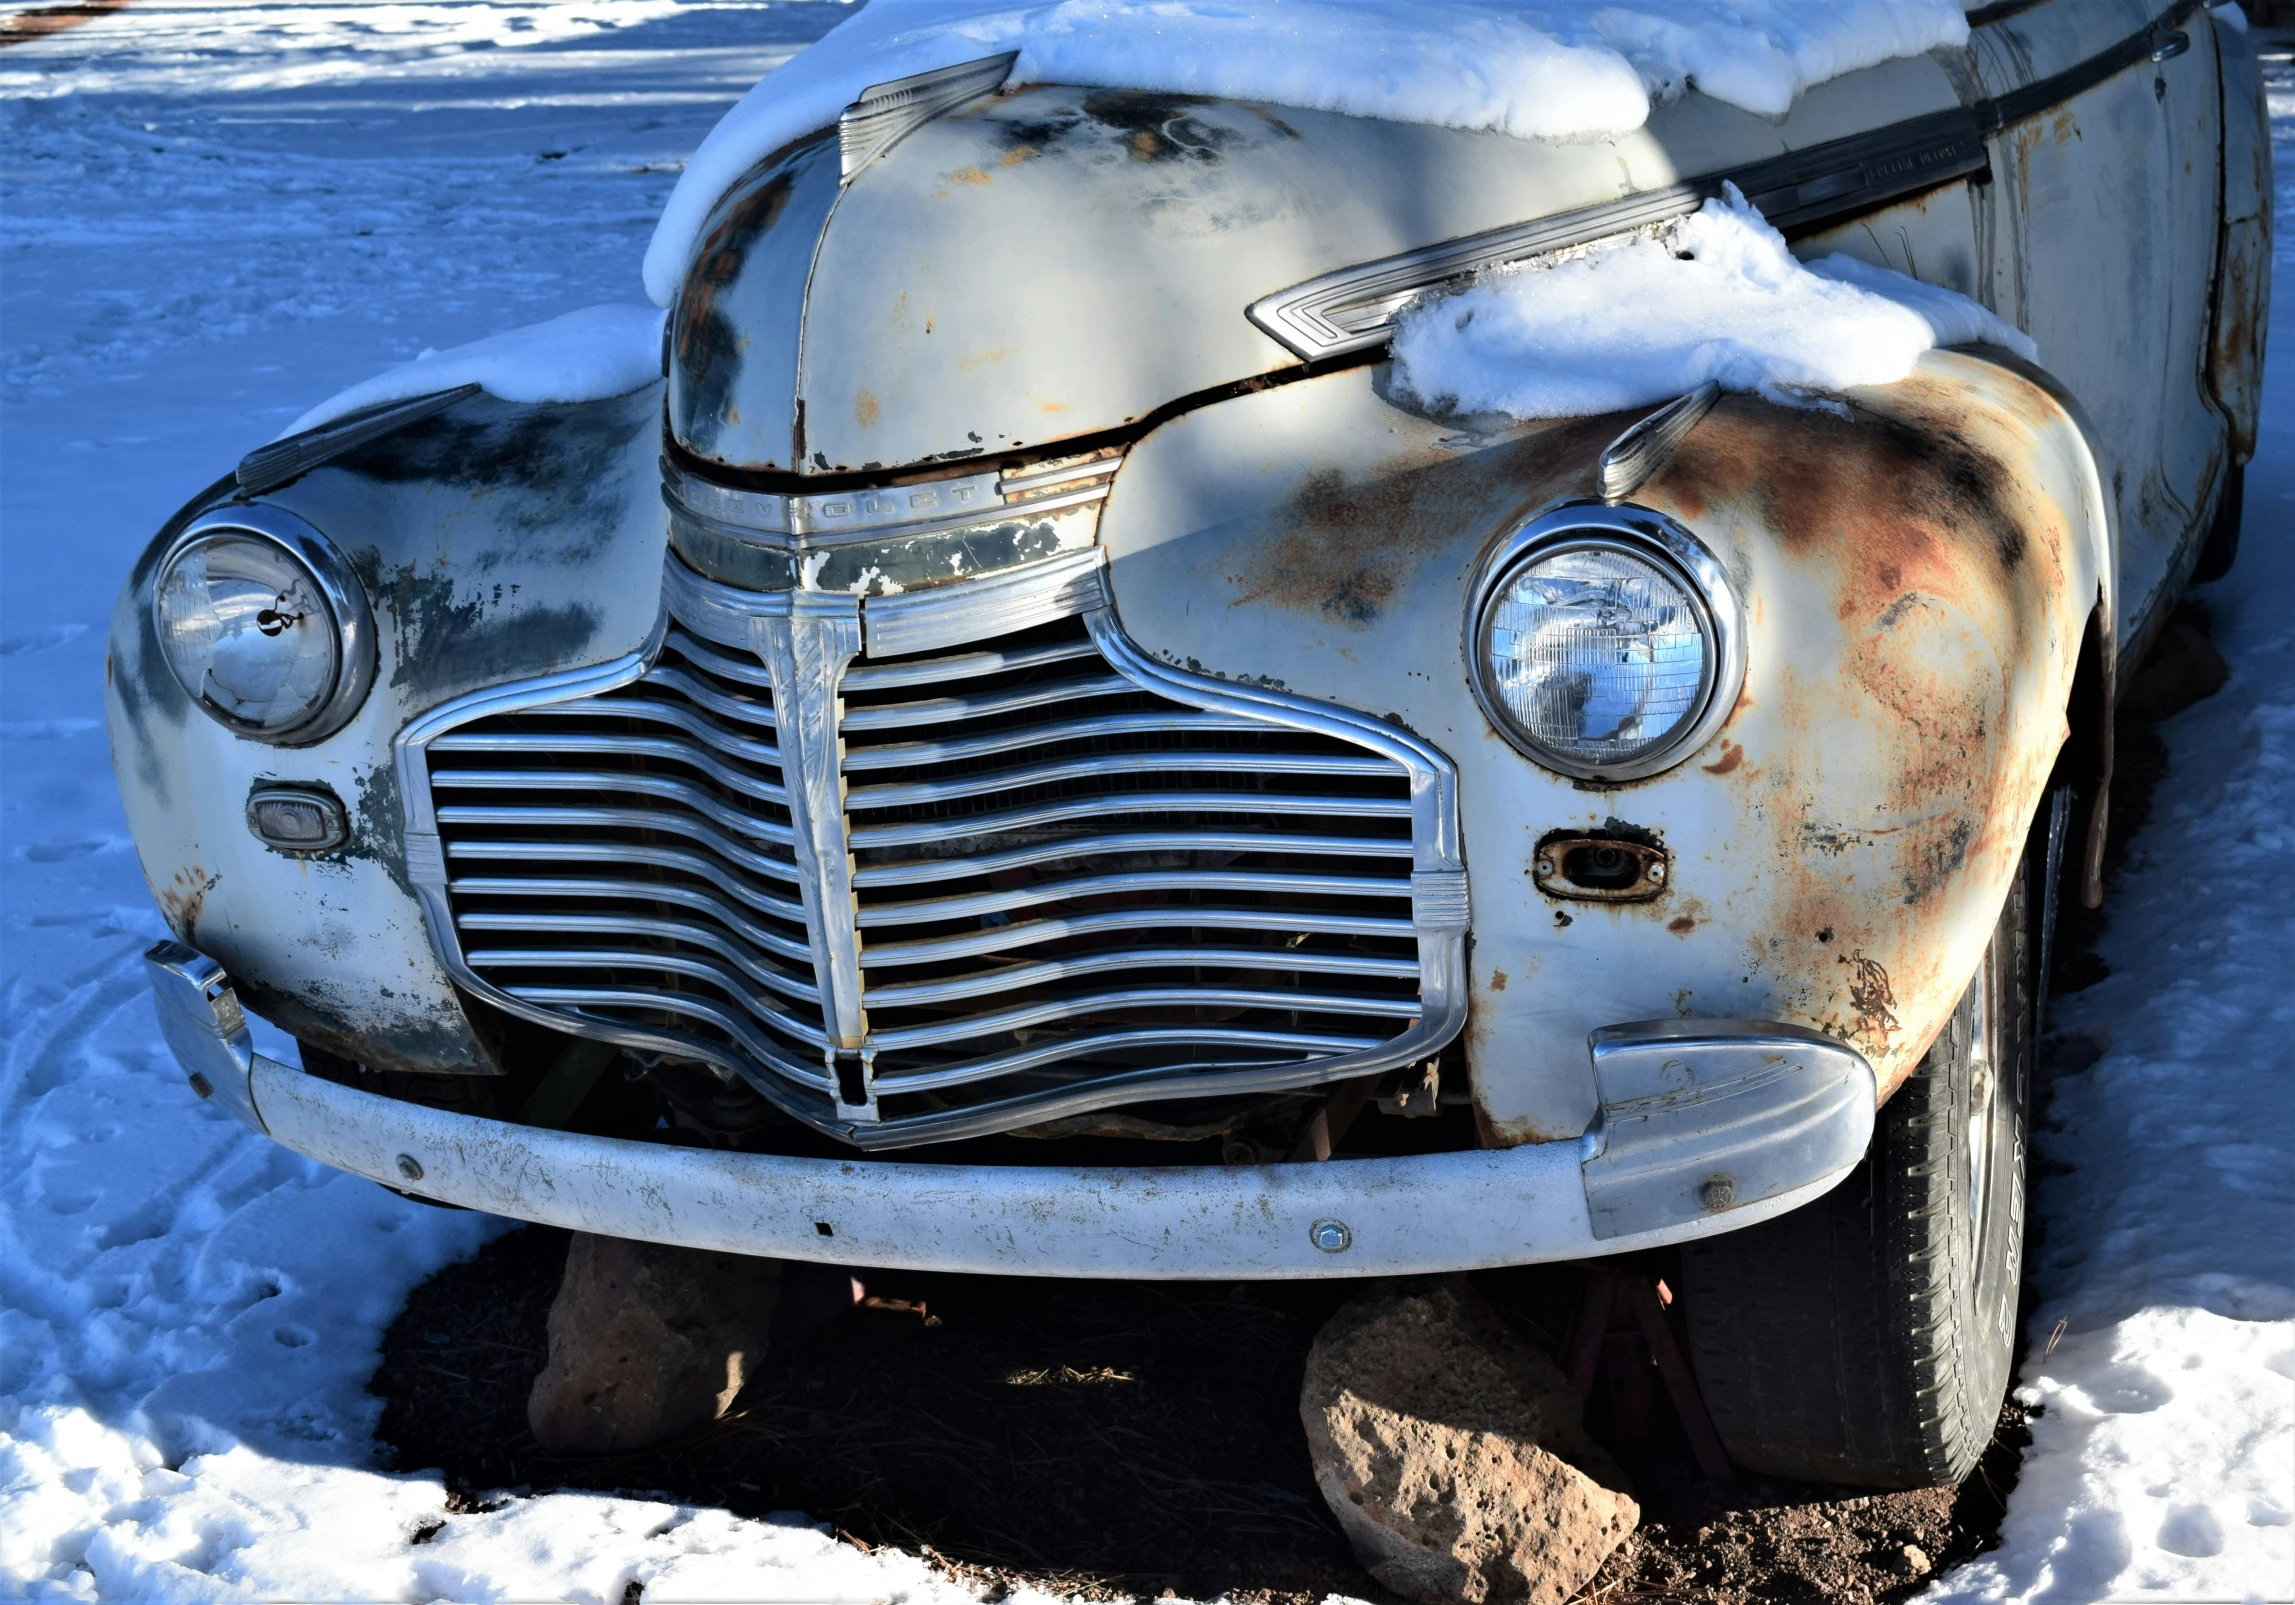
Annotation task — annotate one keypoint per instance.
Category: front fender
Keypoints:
(1917, 569)
(494, 541)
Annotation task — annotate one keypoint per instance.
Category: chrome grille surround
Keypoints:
(938, 864)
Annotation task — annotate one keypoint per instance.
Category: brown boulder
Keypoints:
(647, 1341)
(1454, 1453)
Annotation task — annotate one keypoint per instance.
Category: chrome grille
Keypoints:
(1073, 878)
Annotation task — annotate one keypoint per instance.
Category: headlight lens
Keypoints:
(1598, 650)
(264, 626)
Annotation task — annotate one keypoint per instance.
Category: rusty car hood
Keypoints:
(1053, 263)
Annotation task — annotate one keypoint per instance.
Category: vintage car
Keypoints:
(1025, 751)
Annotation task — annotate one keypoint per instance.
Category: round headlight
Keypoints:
(1605, 642)
(265, 625)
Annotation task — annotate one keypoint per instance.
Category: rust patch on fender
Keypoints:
(1343, 550)
(182, 898)
(1732, 755)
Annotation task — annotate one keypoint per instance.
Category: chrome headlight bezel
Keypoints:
(339, 590)
(1650, 537)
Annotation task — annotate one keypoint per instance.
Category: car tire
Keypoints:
(1867, 1338)
(2222, 548)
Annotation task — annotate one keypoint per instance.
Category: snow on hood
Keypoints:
(1714, 295)
(1538, 69)
(583, 356)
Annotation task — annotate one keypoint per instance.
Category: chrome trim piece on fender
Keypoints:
(1646, 534)
(1703, 1118)
(266, 468)
(346, 601)
(887, 112)
(1628, 461)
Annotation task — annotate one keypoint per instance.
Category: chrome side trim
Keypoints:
(887, 112)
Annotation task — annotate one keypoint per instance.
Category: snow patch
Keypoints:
(1538, 69)
(1652, 315)
(583, 356)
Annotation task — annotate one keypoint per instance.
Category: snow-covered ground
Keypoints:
(216, 214)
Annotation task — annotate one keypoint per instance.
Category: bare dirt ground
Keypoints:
(1125, 1439)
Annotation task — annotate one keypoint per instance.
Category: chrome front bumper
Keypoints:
(1708, 1125)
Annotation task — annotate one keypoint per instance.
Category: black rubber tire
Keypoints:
(2222, 548)
(1867, 1338)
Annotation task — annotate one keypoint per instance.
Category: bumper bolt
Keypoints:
(408, 1168)
(1331, 1236)
(1718, 1193)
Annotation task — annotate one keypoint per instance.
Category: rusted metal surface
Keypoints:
(2243, 263)
(492, 540)
(1919, 574)
(1582, 867)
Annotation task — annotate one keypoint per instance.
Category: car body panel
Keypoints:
(494, 541)
(1058, 262)
(1920, 576)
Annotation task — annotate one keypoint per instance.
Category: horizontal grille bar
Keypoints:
(988, 983)
(1178, 880)
(667, 787)
(592, 892)
(1168, 997)
(965, 666)
(593, 923)
(941, 710)
(1087, 1045)
(1286, 922)
(911, 794)
(732, 1025)
(658, 749)
(576, 852)
(917, 871)
(640, 819)
(1097, 808)
(914, 754)
(670, 963)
